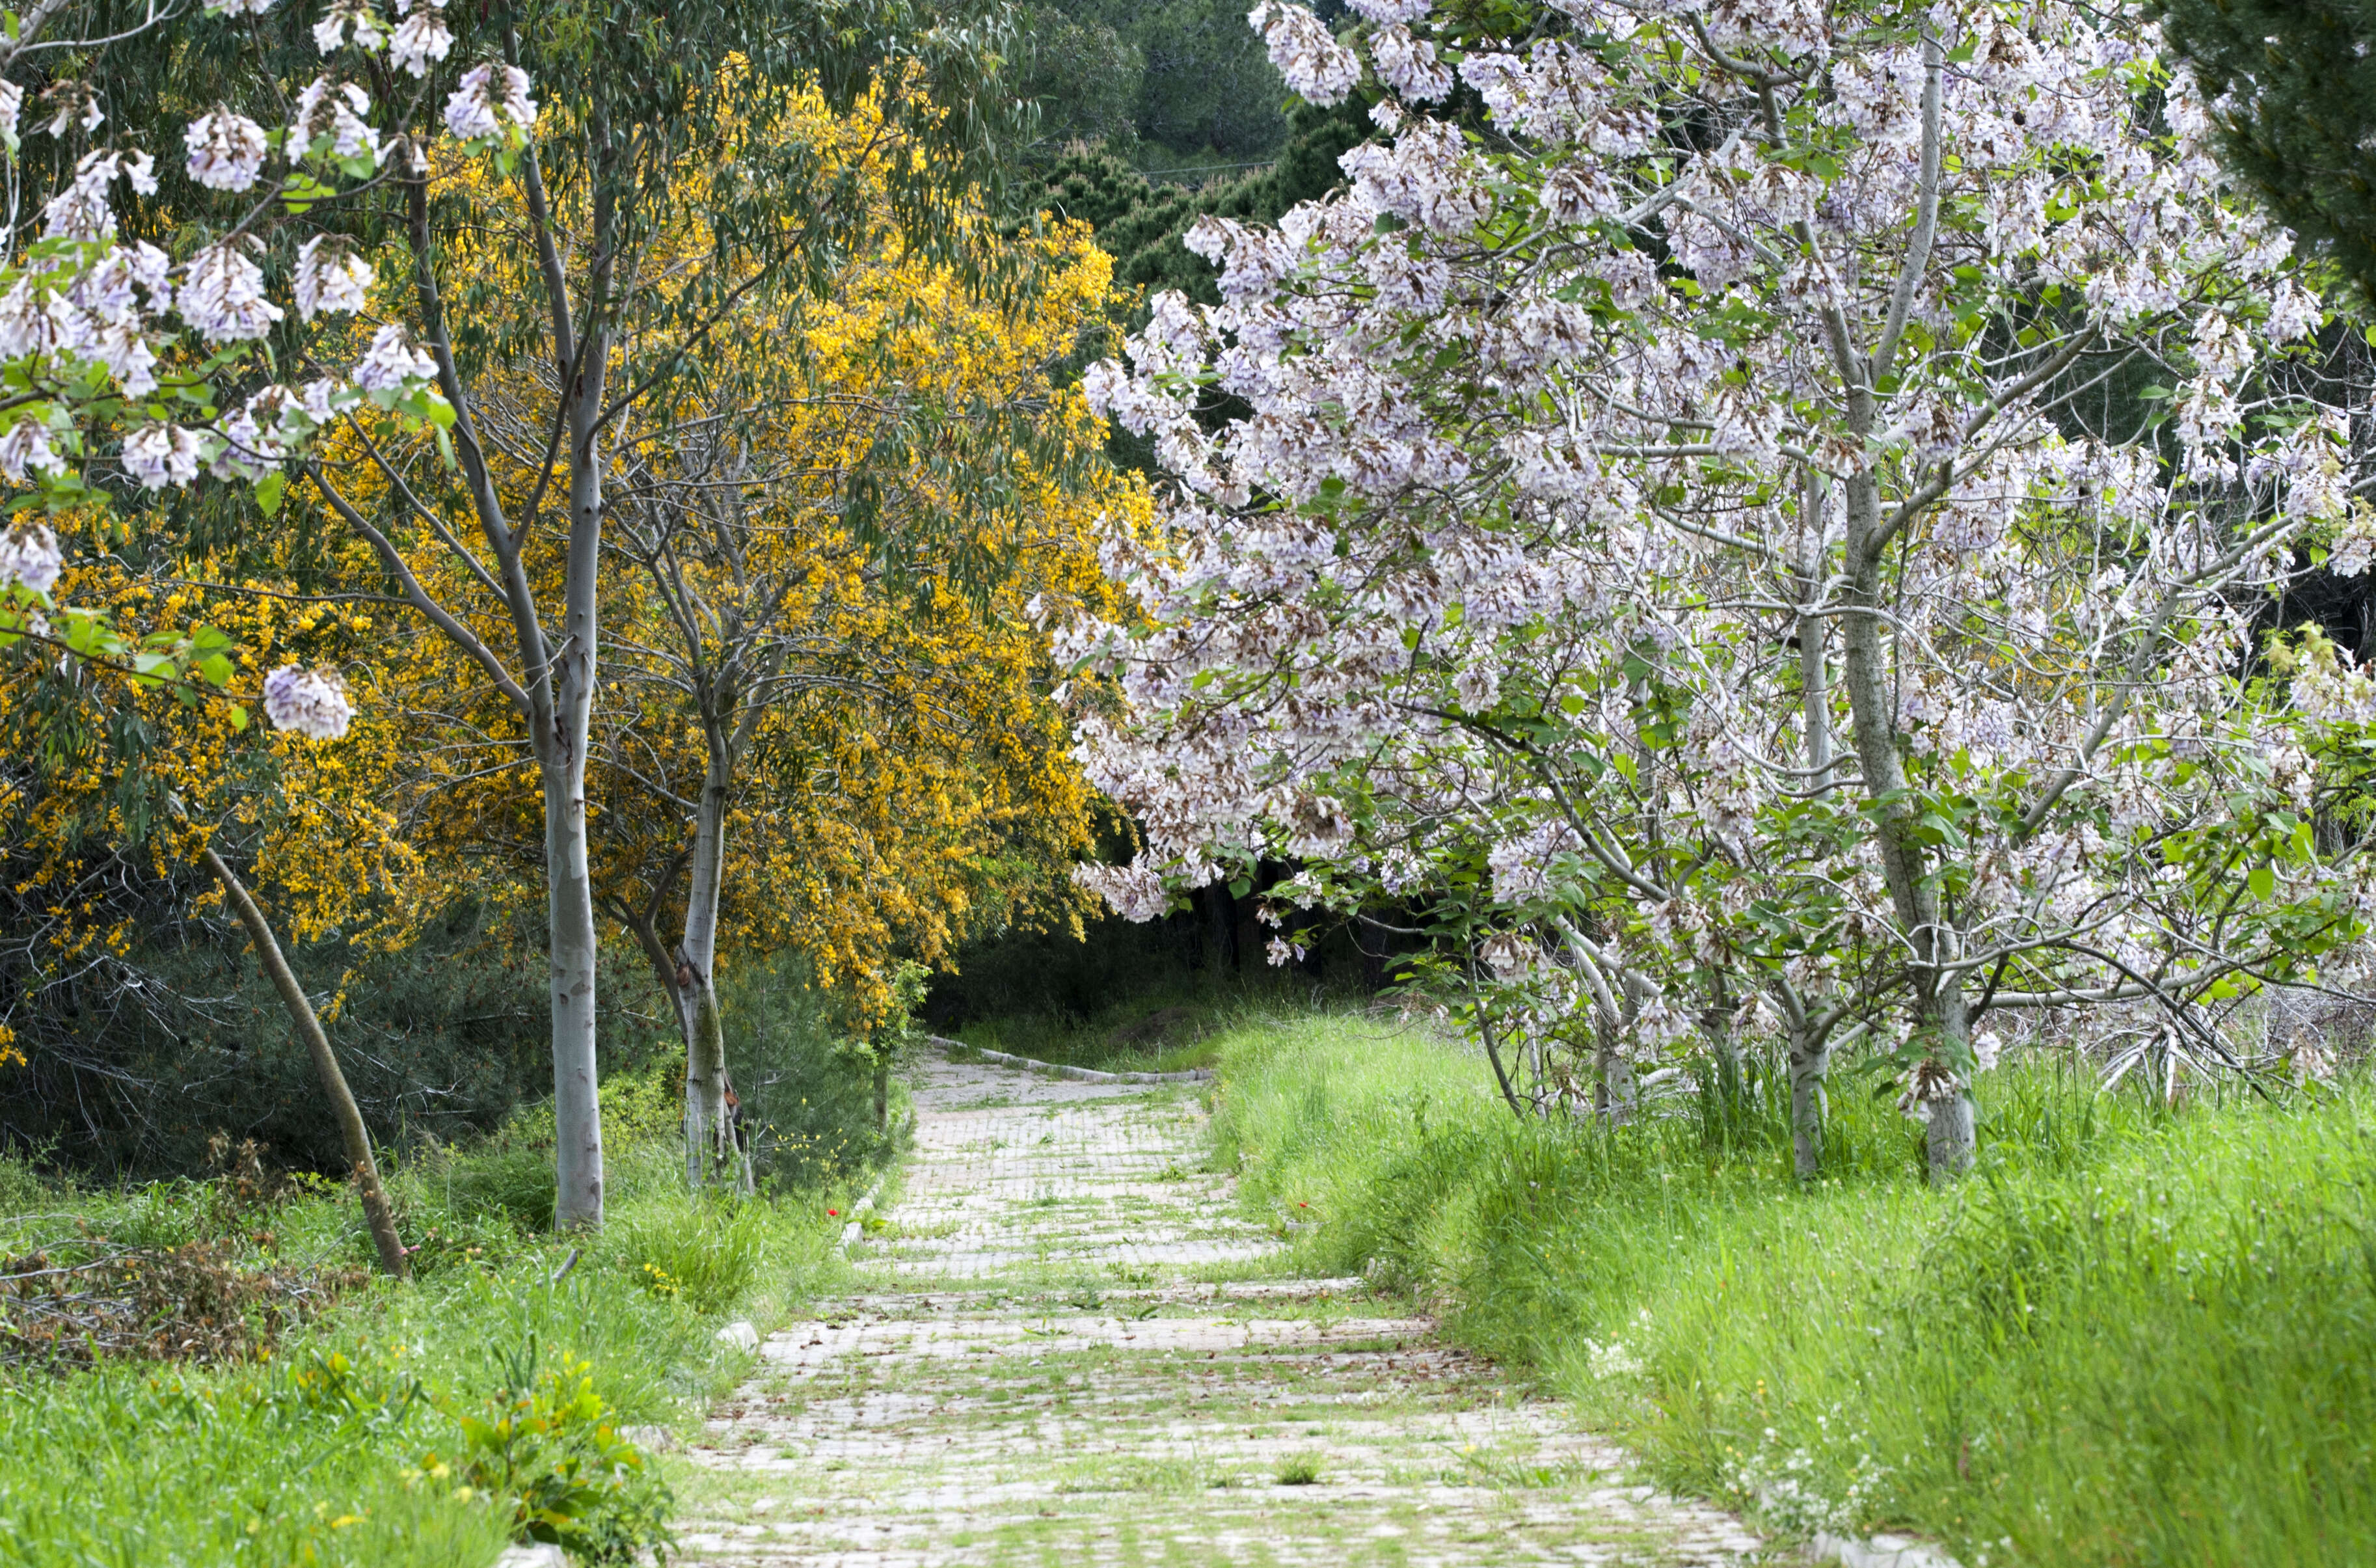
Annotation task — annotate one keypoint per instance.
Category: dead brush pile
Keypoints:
(192, 1303)
(221, 1297)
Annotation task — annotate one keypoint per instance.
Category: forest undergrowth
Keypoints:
(268, 1400)
(2136, 1336)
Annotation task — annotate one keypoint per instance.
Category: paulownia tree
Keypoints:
(127, 338)
(1755, 515)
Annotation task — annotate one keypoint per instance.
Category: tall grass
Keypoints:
(2133, 1337)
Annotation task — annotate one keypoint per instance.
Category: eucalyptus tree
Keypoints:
(827, 553)
(1672, 526)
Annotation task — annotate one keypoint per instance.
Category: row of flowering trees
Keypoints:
(1759, 520)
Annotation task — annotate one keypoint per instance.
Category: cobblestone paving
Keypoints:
(1072, 1351)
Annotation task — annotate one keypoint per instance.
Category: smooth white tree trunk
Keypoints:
(569, 888)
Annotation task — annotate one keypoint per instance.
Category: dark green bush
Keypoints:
(134, 1071)
(808, 1098)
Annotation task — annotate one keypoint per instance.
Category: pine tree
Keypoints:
(2292, 86)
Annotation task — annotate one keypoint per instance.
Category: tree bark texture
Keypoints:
(352, 1131)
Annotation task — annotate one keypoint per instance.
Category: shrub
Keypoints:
(808, 1100)
(543, 1445)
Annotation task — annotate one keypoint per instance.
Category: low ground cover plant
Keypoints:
(327, 1416)
(2135, 1336)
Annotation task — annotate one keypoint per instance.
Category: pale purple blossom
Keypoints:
(26, 449)
(72, 102)
(490, 95)
(312, 703)
(420, 38)
(226, 150)
(1317, 68)
(331, 111)
(392, 363)
(223, 295)
(349, 19)
(160, 454)
(330, 277)
(29, 555)
(249, 450)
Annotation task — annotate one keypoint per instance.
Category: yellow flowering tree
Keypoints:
(831, 729)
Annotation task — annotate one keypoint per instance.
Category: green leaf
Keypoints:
(2262, 882)
(268, 491)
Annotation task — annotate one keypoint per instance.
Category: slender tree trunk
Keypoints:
(882, 1093)
(1811, 1064)
(713, 1152)
(576, 1103)
(707, 1134)
(1810, 1053)
(1954, 1140)
(377, 1215)
(576, 1100)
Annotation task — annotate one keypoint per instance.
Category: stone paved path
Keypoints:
(1072, 1351)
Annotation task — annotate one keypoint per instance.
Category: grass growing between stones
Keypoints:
(2134, 1336)
(341, 1434)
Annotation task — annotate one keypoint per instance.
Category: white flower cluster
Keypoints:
(492, 102)
(226, 150)
(330, 277)
(331, 121)
(312, 703)
(421, 37)
(1317, 68)
(29, 554)
(110, 304)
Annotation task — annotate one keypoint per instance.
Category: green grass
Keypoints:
(2134, 1336)
(326, 1451)
(1171, 1027)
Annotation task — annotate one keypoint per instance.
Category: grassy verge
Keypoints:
(2135, 1336)
(377, 1424)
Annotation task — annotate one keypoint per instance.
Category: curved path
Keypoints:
(1072, 1351)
